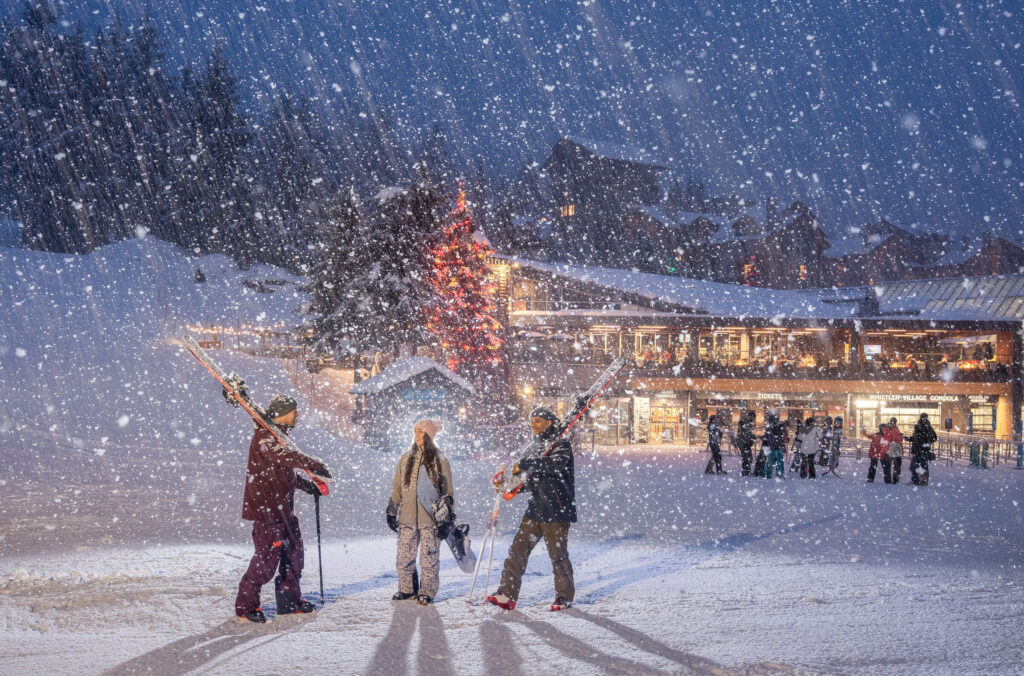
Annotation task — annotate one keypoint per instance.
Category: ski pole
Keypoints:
(490, 531)
(319, 550)
(490, 559)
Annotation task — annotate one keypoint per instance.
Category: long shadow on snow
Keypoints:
(605, 663)
(188, 654)
(434, 655)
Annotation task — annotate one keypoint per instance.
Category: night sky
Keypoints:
(907, 111)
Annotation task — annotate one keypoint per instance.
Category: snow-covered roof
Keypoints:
(614, 151)
(403, 369)
(847, 246)
(690, 216)
(656, 214)
(737, 301)
(389, 193)
(1000, 297)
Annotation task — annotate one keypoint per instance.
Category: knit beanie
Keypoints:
(429, 427)
(545, 413)
(281, 405)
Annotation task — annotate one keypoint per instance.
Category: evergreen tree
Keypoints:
(462, 317)
(373, 290)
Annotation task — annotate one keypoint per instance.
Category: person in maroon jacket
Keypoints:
(270, 482)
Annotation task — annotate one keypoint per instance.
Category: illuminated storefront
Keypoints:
(686, 361)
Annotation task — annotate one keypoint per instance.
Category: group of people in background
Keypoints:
(819, 444)
(887, 448)
(813, 444)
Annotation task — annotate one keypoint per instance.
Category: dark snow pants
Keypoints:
(716, 460)
(745, 459)
(886, 469)
(556, 537)
(278, 549)
(759, 463)
(897, 464)
(807, 467)
(776, 460)
(919, 469)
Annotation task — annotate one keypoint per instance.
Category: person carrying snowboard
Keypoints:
(825, 442)
(921, 442)
(745, 440)
(715, 446)
(775, 440)
(269, 502)
(422, 479)
(835, 443)
(549, 513)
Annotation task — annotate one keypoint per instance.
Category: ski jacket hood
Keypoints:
(270, 478)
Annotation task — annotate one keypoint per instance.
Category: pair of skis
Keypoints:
(237, 394)
(507, 487)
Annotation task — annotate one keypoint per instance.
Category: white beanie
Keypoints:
(429, 427)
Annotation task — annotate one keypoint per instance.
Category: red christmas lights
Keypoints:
(462, 318)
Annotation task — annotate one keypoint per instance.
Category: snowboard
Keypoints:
(456, 533)
(237, 394)
(462, 549)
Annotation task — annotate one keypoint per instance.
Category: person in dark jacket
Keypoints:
(745, 441)
(269, 502)
(775, 440)
(921, 441)
(551, 483)
(715, 446)
(825, 442)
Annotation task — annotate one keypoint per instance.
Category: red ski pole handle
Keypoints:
(513, 492)
(320, 484)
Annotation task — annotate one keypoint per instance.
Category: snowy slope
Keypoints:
(121, 543)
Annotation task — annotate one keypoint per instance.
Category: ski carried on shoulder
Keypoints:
(237, 394)
(580, 406)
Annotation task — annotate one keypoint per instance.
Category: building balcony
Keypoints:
(834, 370)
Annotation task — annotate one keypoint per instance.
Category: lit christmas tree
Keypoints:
(463, 317)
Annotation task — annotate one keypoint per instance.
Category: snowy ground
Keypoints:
(121, 543)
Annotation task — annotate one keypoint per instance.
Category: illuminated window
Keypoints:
(568, 210)
(803, 272)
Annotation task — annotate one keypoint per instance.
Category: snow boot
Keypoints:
(502, 601)
(401, 596)
(255, 616)
(303, 607)
(424, 600)
(560, 604)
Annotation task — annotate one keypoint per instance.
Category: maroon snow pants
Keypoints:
(278, 549)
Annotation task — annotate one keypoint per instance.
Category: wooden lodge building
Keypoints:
(697, 348)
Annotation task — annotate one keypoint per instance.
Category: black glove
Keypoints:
(325, 473)
(392, 521)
